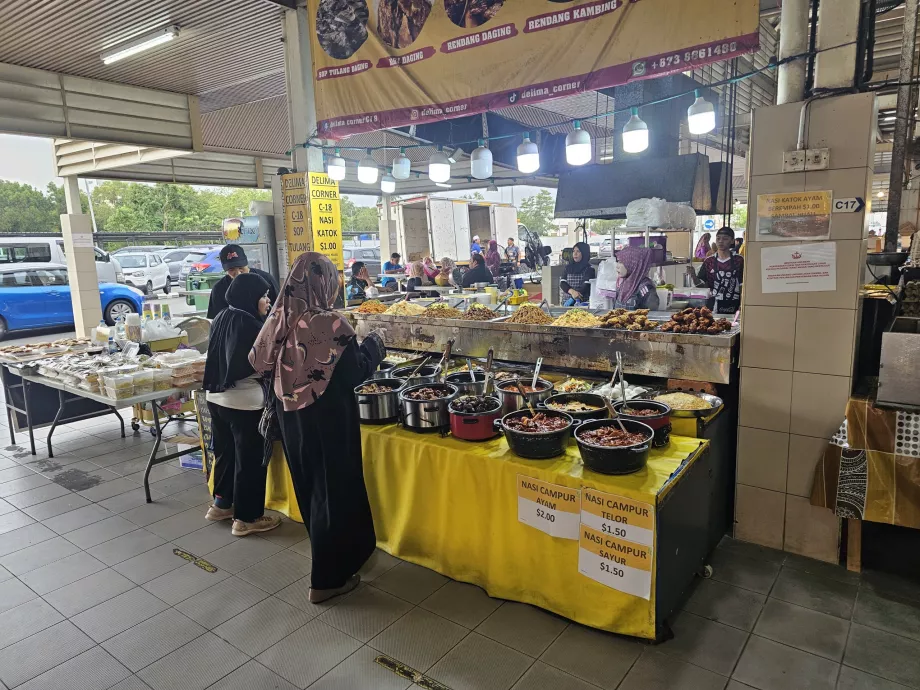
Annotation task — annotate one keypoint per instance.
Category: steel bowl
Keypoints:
(427, 415)
(512, 401)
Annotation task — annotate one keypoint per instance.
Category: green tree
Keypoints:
(360, 219)
(25, 209)
(606, 227)
(536, 212)
(739, 217)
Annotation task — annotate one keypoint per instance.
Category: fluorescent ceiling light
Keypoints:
(145, 42)
(441, 184)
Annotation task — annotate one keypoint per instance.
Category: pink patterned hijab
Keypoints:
(302, 338)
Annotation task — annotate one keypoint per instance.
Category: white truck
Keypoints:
(438, 227)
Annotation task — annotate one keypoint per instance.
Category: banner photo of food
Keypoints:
(390, 63)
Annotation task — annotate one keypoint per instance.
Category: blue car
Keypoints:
(209, 263)
(37, 295)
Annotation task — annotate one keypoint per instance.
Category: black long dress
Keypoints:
(322, 443)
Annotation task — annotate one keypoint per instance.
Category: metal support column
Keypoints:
(901, 125)
(793, 40)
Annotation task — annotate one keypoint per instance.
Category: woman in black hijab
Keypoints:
(235, 401)
(575, 286)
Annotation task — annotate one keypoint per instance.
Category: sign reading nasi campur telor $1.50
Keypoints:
(616, 541)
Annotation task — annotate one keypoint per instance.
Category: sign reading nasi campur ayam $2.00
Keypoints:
(388, 63)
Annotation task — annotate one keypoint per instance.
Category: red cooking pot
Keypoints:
(474, 426)
(656, 414)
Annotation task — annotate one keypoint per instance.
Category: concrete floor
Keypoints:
(94, 596)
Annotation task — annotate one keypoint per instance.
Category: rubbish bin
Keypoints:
(200, 281)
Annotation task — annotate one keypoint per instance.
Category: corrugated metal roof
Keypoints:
(261, 126)
(219, 44)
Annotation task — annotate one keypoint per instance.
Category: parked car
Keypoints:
(146, 272)
(50, 249)
(369, 255)
(37, 295)
(180, 259)
(134, 249)
(207, 263)
(196, 255)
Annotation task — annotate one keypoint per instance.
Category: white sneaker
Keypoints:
(217, 514)
(262, 524)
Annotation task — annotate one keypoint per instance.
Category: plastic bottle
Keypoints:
(113, 348)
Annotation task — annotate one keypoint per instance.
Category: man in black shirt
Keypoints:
(233, 260)
(478, 272)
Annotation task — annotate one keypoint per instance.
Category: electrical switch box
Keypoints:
(817, 159)
(794, 161)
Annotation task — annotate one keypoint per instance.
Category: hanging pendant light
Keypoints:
(481, 162)
(387, 184)
(635, 134)
(528, 156)
(578, 146)
(402, 166)
(367, 169)
(336, 166)
(438, 167)
(701, 116)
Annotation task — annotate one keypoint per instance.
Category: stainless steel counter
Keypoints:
(648, 353)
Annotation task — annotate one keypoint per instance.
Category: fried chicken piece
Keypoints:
(706, 311)
(641, 312)
(713, 330)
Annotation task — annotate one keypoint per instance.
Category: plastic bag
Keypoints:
(606, 279)
(658, 213)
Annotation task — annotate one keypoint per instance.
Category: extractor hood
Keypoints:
(603, 191)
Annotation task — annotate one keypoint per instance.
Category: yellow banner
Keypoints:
(388, 63)
(326, 218)
(296, 219)
(794, 215)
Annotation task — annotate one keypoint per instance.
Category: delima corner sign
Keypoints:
(389, 63)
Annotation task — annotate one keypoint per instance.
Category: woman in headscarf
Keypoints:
(445, 276)
(575, 286)
(702, 247)
(235, 402)
(316, 362)
(493, 259)
(635, 290)
(416, 271)
(429, 271)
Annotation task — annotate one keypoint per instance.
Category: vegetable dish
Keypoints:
(577, 318)
(683, 401)
(532, 315)
(574, 386)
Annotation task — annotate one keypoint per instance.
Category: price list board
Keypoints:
(550, 508)
(296, 219)
(616, 541)
(326, 217)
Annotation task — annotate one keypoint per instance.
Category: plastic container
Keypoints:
(143, 381)
(162, 379)
(119, 386)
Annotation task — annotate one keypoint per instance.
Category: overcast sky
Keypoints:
(30, 160)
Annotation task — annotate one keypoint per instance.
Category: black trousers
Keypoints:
(238, 473)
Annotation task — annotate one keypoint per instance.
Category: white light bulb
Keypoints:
(481, 162)
(528, 156)
(367, 169)
(402, 166)
(336, 167)
(438, 167)
(578, 146)
(635, 134)
(387, 184)
(701, 116)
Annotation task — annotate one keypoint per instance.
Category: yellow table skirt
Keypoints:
(452, 506)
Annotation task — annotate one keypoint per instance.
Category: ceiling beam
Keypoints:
(289, 4)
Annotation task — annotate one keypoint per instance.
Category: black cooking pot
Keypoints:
(538, 446)
(660, 421)
(591, 399)
(614, 459)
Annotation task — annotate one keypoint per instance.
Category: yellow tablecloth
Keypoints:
(452, 506)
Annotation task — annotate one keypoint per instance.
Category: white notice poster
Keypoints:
(82, 239)
(799, 268)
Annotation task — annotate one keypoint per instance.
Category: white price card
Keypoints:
(618, 516)
(550, 508)
(621, 565)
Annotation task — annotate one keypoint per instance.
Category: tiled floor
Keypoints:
(93, 596)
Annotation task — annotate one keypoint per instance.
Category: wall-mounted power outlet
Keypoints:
(794, 161)
(817, 159)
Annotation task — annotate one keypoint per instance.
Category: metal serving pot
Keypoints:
(512, 401)
(660, 421)
(384, 371)
(379, 408)
(591, 399)
(465, 386)
(427, 415)
(537, 446)
(614, 459)
(474, 426)
(427, 374)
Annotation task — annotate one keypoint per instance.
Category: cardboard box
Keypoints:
(192, 456)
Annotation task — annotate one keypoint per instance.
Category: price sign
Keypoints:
(296, 221)
(326, 218)
(550, 508)
(618, 516)
(619, 564)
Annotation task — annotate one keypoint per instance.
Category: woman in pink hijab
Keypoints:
(315, 362)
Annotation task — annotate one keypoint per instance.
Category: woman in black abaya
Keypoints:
(316, 363)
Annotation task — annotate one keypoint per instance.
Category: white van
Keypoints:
(24, 248)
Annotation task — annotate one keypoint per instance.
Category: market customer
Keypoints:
(513, 252)
(360, 281)
(445, 276)
(575, 287)
(416, 273)
(235, 401)
(315, 362)
(475, 248)
(234, 262)
(478, 273)
(391, 267)
(723, 274)
(702, 247)
(494, 259)
(635, 290)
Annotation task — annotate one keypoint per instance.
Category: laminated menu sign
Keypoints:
(799, 268)
(294, 201)
(616, 539)
(794, 215)
(550, 508)
(326, 217)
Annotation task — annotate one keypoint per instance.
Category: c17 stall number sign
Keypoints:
(326, 217)
(616, 542)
